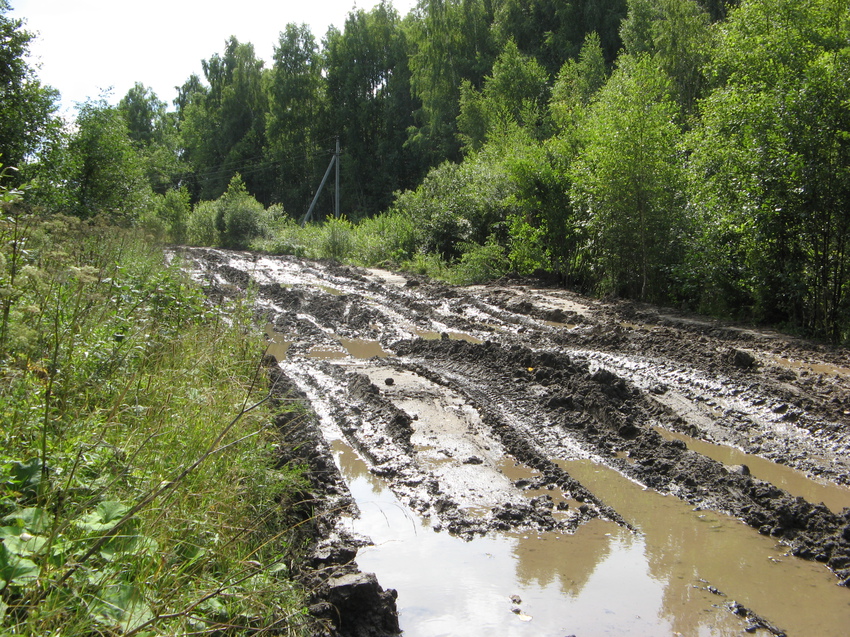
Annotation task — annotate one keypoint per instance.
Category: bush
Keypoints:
(480, 263)
(387, 238)
(173, 210)
(336, 240)
(201, 227)
(238, 215)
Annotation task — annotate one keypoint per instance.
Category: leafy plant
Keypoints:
(146, 408)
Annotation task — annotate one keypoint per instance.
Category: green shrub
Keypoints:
(238, 215)
(336, 239)
(201, 227)
(173, 210)
(388, 238)
(480, 263)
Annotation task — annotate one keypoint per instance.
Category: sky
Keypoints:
(83, 47)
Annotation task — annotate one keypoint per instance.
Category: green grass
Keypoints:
(140, 491)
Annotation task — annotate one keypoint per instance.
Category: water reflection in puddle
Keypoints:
(600, 581)
(683, 545)
(794, 482)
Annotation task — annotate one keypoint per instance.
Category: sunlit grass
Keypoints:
(140, 491)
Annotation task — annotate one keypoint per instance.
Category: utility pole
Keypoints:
(334, 160)
(336, 190)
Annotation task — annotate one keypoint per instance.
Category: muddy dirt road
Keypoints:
(519, 460)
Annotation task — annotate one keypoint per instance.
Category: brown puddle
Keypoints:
(277, 344)
(794, 482)
(516, 471)
(361, 348)
(812, 368)
(564, 326)
(323, 353)
(355, 347)
(685, 547)
(603, 580)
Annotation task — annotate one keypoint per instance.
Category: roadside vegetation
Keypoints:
(141, 491)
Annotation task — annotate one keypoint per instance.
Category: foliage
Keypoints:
(456, 203)
(173, 209)
(480, 263)
(451, 42)
(370, 107)
(627, 181)
(770, 164)
(201, 227)
(153, 132)
(238, 215)
(296, 117)
(233, 220)
(516, 93)
(222, 125)
(336, 239)
(386, 239)
(676, 33)
(138, 486)
(552, 30)
(26, 107)
(106, 173)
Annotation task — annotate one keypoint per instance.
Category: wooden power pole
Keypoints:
(334, 161)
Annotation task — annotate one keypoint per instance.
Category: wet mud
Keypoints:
(701, 465)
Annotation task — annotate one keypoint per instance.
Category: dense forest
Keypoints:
(688, 152)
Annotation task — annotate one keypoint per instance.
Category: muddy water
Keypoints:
(812, 368)
(794, 482)
(362, 348)
(603, 580)
(685, 547)
(277, 345)
(596, 582)
(353, 347)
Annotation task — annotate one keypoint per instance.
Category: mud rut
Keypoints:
(523, 411)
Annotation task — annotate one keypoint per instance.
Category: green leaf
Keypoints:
(104, 517)
(33, 519)
(25, 544)
(15, 570)
(137, 545)
(25, 477)
(122, 604)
